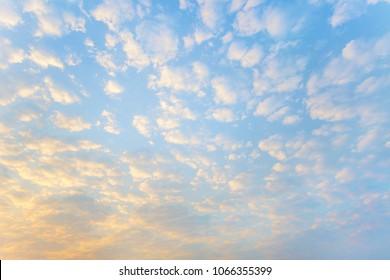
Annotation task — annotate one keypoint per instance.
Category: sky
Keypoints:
(195, 129)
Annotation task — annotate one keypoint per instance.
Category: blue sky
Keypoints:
(242, 129)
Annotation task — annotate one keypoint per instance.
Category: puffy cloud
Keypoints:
(291, 119)
(143, 125)
(108, 62)
(175, 107)
(159, 42)
(114, 13)
(109, 122)
(357, 60)
(279, 75)
(50, 146)
(274, 147)
(49, 22)
(268, 106)
(74, 23)
(236, 5)
(184, 4)
(275, 22)
(181, 79)
(241, 182)
(236, 51)
(373, 84)
(345, 175)
(210, 12)
(176, 136)
(223, 115)
(112, 88)
(44, 58)
(73, 124)
(278, 167)
(223, 93)
(165, 123)
(344, 11)
(136, 57)
(365, 141)
(199, 36)
(28, 116)
(4, 129)
(10, 15)
(247, 57)
(9, 54)
(59, 94)
(248, 22)
(252, 56)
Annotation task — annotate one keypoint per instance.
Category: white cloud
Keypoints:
(223, 92)
(9, 54)
(111, 40)
(28, 116)
(107, 61)
(324, 107)
(223, 115)
(109, 122)
(365, 141)
(345, 175)
(278, 114)
(49, 21)
(114, 13)
(357, 60)
(9, 14)
(50, 146)
(136, 57)
(241, 182)
(44, 59)
(178, 137)
(143, 125)
(274, 147)
(252, 56)
(236, 51)
(72, 60)
(275, 22)
(278, 167)
(166, 123)
(159, 42)
(248, 58)
(173, 106)
(345, 10)
(292, 119)
(201, 35)
(268, 105)
(4, 129)
(248, 22)
(181, 79)
(112, 88)
(184, 4)
(210, 12)
(89, 43)
(278, 75)
(73, 124)
(74, 23)
(373, 84)
(59, 94)
(236, 5)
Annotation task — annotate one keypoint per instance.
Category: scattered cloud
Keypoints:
(10, 16)
(73, 124)
(114, 13)
(110, 125)
(112, 88)
(44, 58)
